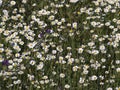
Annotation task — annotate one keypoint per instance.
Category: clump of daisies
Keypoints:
(60, 45)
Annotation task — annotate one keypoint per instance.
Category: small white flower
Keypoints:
(5, 12)
(109, 88)
(91, 44)
(85, 72)
(39, 55)
(74, 25)
(70, 61)
(40, 66)
(67, 86)
(62, 75)
(103, 60)
(117, 61)
(12, 3)
(18, 81)
(51, 17)
(46, 81)
(94, 77)
(75, 68)
(95, 52)
(32, 62)
(0, 2)
(98, 10)
(118, 69)
(68, 24)
(17, 54)
(54, 73)
(10, 67)
(59, 23)
(54, 51)
(81, 80)
(45, 77)
(93, 23)
(31, 77)
(24, 1)
(74, 1)
(1, 30)
(1, 50)
(16, 47)
(32, 45)
(80, 50)
(102, 47)
(106, 10)
(20, 72)
(14, 82)
(42, 82)
(20, 60)
(63, 20)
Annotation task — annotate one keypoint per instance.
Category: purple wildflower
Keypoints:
(41, 35)
(49, 31)
(5, 62)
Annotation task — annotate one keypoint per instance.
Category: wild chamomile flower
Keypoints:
(12, 2)
(74, 1)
